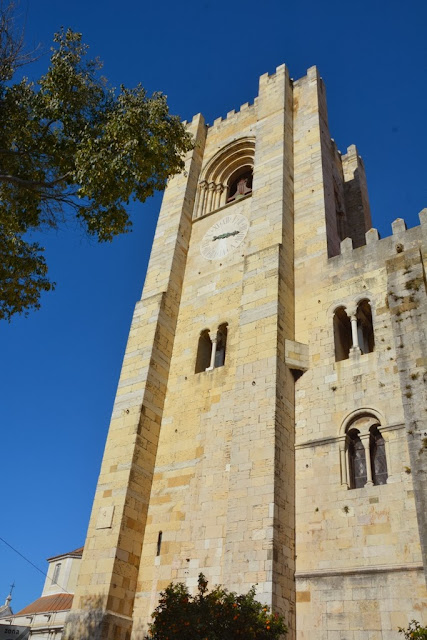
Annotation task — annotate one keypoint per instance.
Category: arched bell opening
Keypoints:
(240, 184)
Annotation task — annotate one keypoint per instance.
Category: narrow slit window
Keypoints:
(159, 543)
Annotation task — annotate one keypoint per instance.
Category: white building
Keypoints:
(46, 615)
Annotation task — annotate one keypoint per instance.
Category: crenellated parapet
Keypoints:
(401, 239)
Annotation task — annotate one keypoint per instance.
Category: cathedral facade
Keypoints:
(270, 423)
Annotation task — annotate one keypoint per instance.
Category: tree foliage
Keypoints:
(414, 631)
(72, 145)
(218, 615)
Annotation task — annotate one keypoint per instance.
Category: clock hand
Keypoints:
(225, 235)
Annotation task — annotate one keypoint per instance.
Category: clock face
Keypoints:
(224, 236)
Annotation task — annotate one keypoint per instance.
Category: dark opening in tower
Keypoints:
(240, 183)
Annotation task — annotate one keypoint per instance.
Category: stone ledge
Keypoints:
(353, 571)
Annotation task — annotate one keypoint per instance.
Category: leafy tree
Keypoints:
(218, 615)
(414, 631)
(70, 145)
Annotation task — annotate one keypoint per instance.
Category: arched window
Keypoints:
(365, 330)
(378, 456)
(226, 177)
(240, 184)
(357, 460)
(342, 334)
(211, 353)
(364, 460)
(204, 350)
(221, 344)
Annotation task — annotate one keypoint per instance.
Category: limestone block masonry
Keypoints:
(270, 423)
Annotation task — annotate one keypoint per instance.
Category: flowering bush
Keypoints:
(414, 631)
(218, 615)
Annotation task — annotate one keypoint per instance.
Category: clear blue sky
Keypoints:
(60, 366)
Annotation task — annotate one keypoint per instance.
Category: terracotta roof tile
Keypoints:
(57, 602)
(76, 553)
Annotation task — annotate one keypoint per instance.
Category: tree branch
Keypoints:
(32, 184)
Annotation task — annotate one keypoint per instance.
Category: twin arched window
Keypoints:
(355, 332)
(365, 455)
(211, 352)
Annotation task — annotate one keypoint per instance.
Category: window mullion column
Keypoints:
(354, 333)
(365, 440)
(344, 463)
(213, 353)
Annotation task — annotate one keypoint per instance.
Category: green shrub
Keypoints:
(218, 615)
(414, 631)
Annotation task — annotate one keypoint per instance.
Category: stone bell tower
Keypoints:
(199, 472)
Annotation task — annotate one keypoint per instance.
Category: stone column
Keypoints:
(365, 439)
(210, 195)
(218, 193)
(213, 353)
(224, 193)
(343, 463)
(198, 208)
(347, 468)
(388, 458)
(354, 334)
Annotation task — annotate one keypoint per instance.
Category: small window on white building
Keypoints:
(56, 573)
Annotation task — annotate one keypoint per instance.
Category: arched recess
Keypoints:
(371, 416)
(220, 171)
